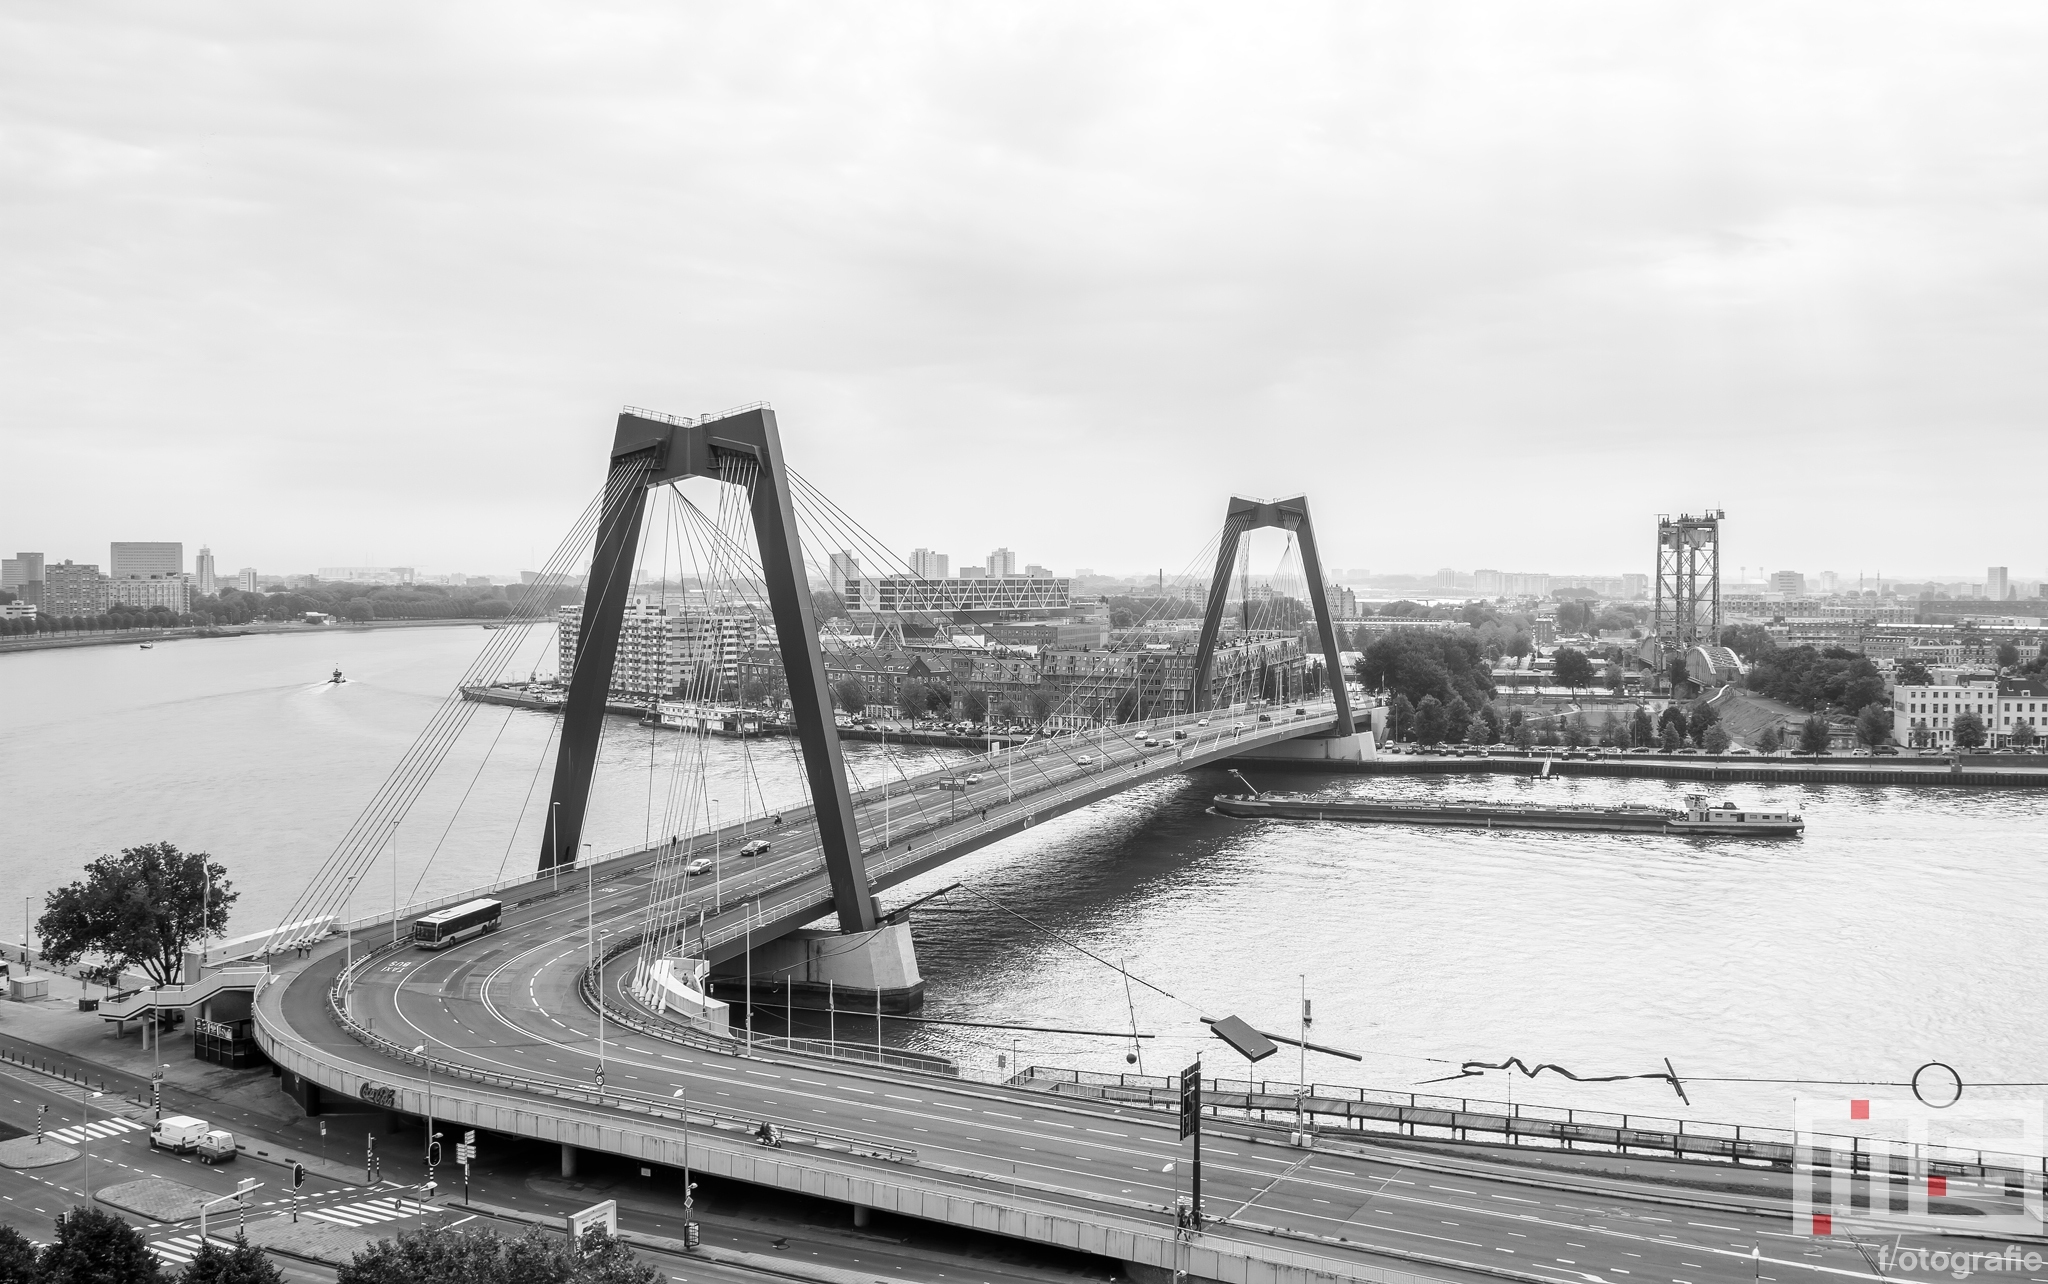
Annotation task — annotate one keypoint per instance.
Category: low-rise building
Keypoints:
(17, 610)
(173, 593)
(1925, 715)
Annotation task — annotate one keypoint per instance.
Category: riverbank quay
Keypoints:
(201, 632)
(1980, 770)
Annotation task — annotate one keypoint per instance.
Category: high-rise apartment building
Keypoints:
(1790, 583)
(133, 557)
(1002, 564)
(245, 579)
(202, 572)
(1635, 584)
(1996, 583)
(1830, 583)
(1486, 580)
(73, 588)
(22, 575)
(927, 565)
(843, 569)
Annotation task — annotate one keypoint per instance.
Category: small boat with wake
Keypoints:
(1698, 816)
(337, 679)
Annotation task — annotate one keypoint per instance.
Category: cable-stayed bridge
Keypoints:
(588, 1020)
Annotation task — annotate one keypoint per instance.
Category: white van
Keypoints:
(179, 1133)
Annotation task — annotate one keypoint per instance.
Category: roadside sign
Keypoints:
(469, 1138)
(581, 1224)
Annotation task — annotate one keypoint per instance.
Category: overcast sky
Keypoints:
(1494, 284)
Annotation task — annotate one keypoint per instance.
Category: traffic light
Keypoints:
(298, 1175)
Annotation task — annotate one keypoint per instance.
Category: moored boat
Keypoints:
(1698, 817)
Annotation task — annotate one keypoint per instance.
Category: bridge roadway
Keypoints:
(507, 1043)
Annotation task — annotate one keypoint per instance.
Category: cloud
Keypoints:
(1493, 283)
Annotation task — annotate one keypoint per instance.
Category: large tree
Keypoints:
(243, 1264)
(1430, 723)
(2023, 735)
(1703, 715)
(1969, 731)
(1913, 673)
(483, 1257)
(851, 695)
(95, 1247)
(1415, 663)
(974, 705)
(914, 699)
(1716, 740)
(17, 1257)
(1574, 670)
(1814, 734)
(1640, 729)
(1768, 740)
(1873, 724)
(143, 908)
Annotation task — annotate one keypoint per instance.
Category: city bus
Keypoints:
(443, 928)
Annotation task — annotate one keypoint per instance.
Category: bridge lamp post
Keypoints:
(717, 862)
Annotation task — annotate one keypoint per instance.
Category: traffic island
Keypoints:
(312, 1240)
(158, 1199)
(23, 1152)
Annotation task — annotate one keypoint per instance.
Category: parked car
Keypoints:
(216, 1147)
(1886, 751)
(758, 847)
(701, 865)
(179, 1133)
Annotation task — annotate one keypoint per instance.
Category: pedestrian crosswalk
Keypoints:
(182, 1249)
(110, 1127)
(369, 1211)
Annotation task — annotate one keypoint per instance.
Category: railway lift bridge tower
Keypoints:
(1687, 595)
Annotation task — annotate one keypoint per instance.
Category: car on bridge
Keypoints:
(972, 780)
(701, 865)
(758, 847)
(1085, 760)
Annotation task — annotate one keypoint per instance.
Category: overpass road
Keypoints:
(508, 1040)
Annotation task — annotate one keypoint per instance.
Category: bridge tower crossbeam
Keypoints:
(1289, 515)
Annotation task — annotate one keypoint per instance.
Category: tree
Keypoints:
(850, 695)
(141, 908)
(1416, 663)
(1041, 701)
(913, 698)
(2023, 735)
(1519, 647)
(1640, 730)
(1716, 739)
(96, 1247)
(1671, 737)
(1969, 731)
(1456, 715)
(1577, 732)
(243, 1264)
(1675, 670)
(1747, 640)
(17, 1257)
(1524, 736)
(483, 1257)
(1574, 670)
(1491, 716)
(1613, 677)
(753, 691)
(1703, 715)
(1403, 713)
(1913, 673)
(1768, 740)
(1477, 732)
(1814, 734)
(2008, 656)
(360, 610)
(974, 705)
(1429, 721)
(1873, 724)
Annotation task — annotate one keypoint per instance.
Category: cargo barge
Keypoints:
(1697, 818)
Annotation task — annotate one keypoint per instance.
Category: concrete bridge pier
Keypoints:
(1361, 747)
(568, 1160)
(809, 968)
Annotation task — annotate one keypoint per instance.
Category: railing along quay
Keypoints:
(1455, 1118)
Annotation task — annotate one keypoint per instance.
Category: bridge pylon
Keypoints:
(1284, 514)
(740, 447)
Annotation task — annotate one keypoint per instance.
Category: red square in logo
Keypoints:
(1937, 1185)
(1859, 1110)
(1823, 1224)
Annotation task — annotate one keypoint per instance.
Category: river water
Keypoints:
(1906, 926)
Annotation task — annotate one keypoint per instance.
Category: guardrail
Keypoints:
(607, 1098)
(1458, 1117)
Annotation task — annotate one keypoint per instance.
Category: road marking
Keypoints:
(1455, 1190)
(1107, 1133)
(1710, 1226)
